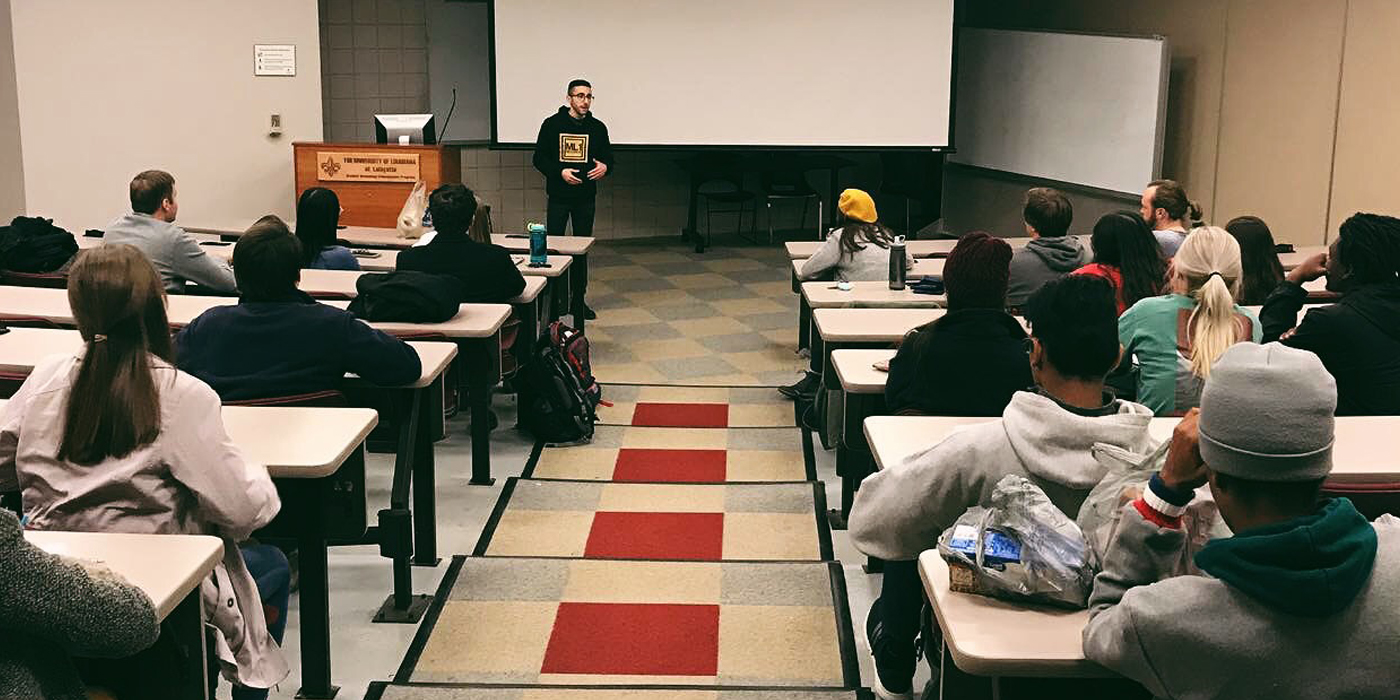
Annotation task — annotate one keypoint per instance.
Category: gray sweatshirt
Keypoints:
(1200, 638)
(900, 511)
(53, 607)
(176, 255)
(1042, 260)
(869, 264)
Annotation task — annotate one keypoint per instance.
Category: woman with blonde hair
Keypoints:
(1176, 338)
(113, 438)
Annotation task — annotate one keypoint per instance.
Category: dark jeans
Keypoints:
(270, 570)
(901, 602)
(580, 210)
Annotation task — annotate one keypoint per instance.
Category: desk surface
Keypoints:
(1364, 451)
(471, 321)
(342, 283)
(920, 249)
(874, 325)
(389, 238)
(166, 567)
(557, 265)
(921, 267)
(855, 369)
(1299, 254)
(990, 637)
(558, 245)
(296, 442)
(825, 295)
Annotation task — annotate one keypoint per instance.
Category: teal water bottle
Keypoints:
(539, 245)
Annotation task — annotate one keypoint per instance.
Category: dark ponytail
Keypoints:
(1171, 197)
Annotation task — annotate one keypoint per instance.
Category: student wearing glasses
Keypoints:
(573, 153)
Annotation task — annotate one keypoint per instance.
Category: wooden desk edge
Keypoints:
(325, 470)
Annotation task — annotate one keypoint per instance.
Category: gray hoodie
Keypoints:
(1042, 260)
(175, 253)
(900, 511)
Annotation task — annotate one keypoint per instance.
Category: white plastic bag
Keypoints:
(1126, 477)
(410, 222)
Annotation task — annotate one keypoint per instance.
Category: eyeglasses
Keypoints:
(581, 97)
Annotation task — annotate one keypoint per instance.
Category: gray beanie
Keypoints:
(1266, 414)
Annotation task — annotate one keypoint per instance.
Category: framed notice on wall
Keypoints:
(367, 167)
(277, 60)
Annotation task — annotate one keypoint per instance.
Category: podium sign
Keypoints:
(365, 166)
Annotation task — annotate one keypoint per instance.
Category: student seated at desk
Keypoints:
(54, 608)
(1045, 436)
(858, 251)
(971, 360)
(487, 272)
(318, 215)
(1126, 254)
(1357, 338)
(1177, 337)
(277, 341)
(1258, 257)
(1303, 602)
(115, 439)
(1170, 213)
(1051, 252)
(151, 228)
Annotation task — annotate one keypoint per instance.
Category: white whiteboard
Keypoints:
(1078, 108)
(730, 72)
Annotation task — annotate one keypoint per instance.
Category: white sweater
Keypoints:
(869, 264)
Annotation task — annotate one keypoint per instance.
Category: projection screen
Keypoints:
(741, 73)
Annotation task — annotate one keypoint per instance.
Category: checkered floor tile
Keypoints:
(724, 318)
(381, 691)
(694, 407)
(692, 522)
(686, 455)
(636, 623)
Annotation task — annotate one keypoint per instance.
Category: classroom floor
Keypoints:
(739, 333)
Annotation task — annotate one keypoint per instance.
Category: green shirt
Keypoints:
(1154, 331)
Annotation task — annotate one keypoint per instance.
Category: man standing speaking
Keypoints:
(573, 153)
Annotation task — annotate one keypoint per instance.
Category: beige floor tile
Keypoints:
(775, 536)
(785, 337)
(657, 258)
(741, 307)
(672, 349)
(541, 533)
(660, 297)
(761, 415)
(706, 327)
(592, 581)
(629, 373)
(727, 380)
(620, 413)
(771, 290)
(732, 265)
(775, 359)
(616, 694)
(766, 465)
(576, 463)
(611, 272)
(476, 638)
(664, 498)
(676, 438)
(632, 316)
(798, 642)
(703, 280)
(682, 394)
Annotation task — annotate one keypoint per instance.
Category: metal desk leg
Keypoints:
(480, 367)
(425, 475)
(579, 278)
(186, 623)
(314, 602)
(804, 323)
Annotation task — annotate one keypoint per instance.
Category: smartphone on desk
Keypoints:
(361, 253)
(881, 365)
(216, 243)
(517, 235)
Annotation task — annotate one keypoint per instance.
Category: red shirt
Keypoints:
(1114, 277)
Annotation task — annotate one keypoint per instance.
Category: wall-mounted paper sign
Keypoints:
(275, 60)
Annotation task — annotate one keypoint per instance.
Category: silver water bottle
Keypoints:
(897, 261)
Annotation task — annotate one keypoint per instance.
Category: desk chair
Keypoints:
(788, 184)
(329, 398)
(1371, 499)
(49, 280)
(724, 185)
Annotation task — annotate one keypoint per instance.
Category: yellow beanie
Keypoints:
(858, 205)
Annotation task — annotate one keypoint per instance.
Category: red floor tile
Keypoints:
(681, 415)
(677, 536)
(694, 466)
(634, 639)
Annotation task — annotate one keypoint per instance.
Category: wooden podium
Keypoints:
(373, 180)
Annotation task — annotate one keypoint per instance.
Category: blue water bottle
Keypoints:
(539, 246)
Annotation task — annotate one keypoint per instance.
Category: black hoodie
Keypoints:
(565, 142)
(1357, 339)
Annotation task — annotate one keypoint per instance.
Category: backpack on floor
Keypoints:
(558, 395)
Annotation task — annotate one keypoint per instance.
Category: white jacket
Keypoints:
(900, 511)
(190, 480)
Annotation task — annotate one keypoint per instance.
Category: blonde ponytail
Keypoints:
(1209, 262)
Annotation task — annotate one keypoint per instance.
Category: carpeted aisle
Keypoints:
(683, 553)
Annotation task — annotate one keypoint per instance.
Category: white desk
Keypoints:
(1299, 254)
(922, 267)
(1364, 451)
(825, 295)
(937, 248)
(341, 284)
(856, 372)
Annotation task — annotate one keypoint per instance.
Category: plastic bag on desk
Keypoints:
(410, 222)
(1126, 477)
(1020, 548)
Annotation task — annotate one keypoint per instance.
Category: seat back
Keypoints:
(318, 399)
(1372, 499)
(48, 280)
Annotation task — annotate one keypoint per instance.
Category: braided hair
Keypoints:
(1369, 248)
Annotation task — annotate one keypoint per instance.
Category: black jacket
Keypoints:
(1357, 339)
(487, 272)
(256, 350)
(567, 143)
(967, 363)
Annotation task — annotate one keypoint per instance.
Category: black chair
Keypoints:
(721, 187)
(786, 184)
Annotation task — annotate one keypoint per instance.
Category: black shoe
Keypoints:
(589, 314)
(804, 388)
(894, 668)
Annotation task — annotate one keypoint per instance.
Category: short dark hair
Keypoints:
(1048, 212)
(1299, 495)
(577, 82)
(1171, 197)
(1368, 246)
(149, 189)
(267, 260)
(452, 207)
(1075, 318)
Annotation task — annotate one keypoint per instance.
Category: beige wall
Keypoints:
(11, 157)
(1254, 104)
(107, 89)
